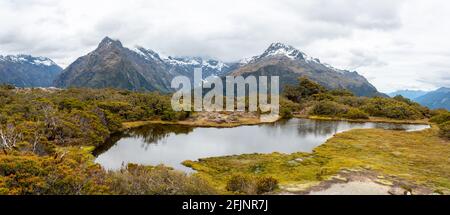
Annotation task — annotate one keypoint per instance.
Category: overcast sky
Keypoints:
(394, 44)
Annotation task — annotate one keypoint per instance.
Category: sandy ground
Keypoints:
(355, 188)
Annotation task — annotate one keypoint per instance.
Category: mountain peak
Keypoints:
(443, 89)
(108, 42)
(281, 49)
(278, 45)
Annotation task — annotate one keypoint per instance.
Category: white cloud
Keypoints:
(395, 44)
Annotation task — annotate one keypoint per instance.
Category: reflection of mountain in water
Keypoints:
(318, 128)
(154, 133)
(150, 134)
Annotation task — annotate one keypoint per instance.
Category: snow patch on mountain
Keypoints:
(194, 62)
(283, 50)
(39, 61)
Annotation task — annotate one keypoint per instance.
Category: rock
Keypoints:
(344, 171)
(397, 191)
(299, 159)
(340, 178)
(366, 167)
(292, 163)
(384, 182)
(397, 153)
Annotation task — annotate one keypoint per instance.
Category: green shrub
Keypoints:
(441, 117)
(341, 92)
(66, 174)
(445, 129)
(114, 122)
(70, 103)
(266, 184)
(159, 180)
(241, 184)
(328, 108)
(285, 113)
(352, 101)
(323, 96)
(251, 185)
(303, 91)
(390, 108)
(355, 113)
(115, 106)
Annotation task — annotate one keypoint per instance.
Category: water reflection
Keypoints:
(172, 144)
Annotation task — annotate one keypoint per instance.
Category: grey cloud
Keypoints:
(365, 14)
(362, 59)
(383, 38)
(436, 78)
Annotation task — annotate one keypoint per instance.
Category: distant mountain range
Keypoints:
(410, 94)
(113, 65)
(28, 71)
(439, 98)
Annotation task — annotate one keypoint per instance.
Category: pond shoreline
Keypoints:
(203, 124)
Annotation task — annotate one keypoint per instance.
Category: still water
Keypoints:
(172, 144)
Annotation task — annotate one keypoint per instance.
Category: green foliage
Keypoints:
(77, 116)
(72, 172)
(171, 115)
(328, 108)
(246, 184)
(303, 91)
(442, 118)
(323, 97)
(391, 108)
(355, 113)
(51, 175)
(288, 107)
(266, 184)
(7, 87)
(445, 129)
(341, 92)
(352, 101)
(70, 103)
(159, 180)
(340, 101)
(240, 184)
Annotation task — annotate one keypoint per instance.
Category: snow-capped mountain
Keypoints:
(186, 65)
(28, 59)
(280, 49)
(113, 65)
(28, 71)
(290, 63)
